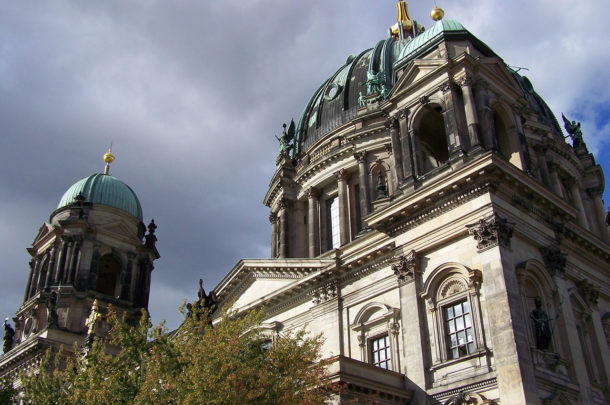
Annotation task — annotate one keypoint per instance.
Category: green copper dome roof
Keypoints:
(105, 190)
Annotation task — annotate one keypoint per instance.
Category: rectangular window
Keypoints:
(458, 329)
(334, 223)
(380, 352)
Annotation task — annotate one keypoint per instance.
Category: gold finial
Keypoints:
(108, 158)
(437, 13)
(404, 24)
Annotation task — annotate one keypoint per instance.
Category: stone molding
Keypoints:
(312, 192)
(492, 231)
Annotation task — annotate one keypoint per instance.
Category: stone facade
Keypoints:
(476, 273)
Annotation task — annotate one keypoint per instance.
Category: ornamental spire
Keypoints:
(404, 25)
(108, 158)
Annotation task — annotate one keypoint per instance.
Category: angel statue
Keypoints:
(286, 140)
(574, 132)
(374, 82)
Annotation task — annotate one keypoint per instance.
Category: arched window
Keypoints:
(452, 296)
(376, 327)
(108, 275)
(432, 140)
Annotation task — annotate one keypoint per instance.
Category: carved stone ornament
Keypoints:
(588, 291)
(554, 260)
(360, 157)
(492, 231)
(341, 175)
(312, 192)
(464, 81)
(445, 87)
(469, 398)
(391, 122)
(423, 100)
(405, 267)
(273, 217)
(475, 277)
(324, 293)
(403, 114)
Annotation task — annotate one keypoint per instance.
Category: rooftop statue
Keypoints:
(9, 332)
(574, 132)
(286, 140)
(374, 83)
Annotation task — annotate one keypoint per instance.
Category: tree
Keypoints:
(231, 362)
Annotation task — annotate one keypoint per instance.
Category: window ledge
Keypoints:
(480, 353)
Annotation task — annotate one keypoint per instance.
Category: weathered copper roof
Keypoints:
(104, 189)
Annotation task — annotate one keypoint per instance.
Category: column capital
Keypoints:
(273, 217)
(341, 175)
(312, 192)
(446, 87)
(465, 81)
(405, 267)
(391, 122)
(554, 260)
(595, 192)
(360, 156)
(588, 291)
(491, 231)
(403, 114)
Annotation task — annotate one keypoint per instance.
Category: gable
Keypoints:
(260, 288)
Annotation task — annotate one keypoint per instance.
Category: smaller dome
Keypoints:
(105, 190)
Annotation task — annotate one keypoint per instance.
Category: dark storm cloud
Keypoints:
(191, 94)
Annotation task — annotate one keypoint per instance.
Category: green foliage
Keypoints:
(229, 363)
(7, 392)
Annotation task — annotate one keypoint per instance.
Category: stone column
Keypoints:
(514, 366)
(74, 261)
(283, 213)
(577, 201)
(407, 271)
(486, 117)
(341, 176)
(313, 224)
(472, 121)
(600, 212)
(555, 180)
(50, 268)
(449, 117)
(59, 270)
(29, 284)
(69, 261)
(392, 124)
(273, 218)
(406, 147)
(363, 178)
(35, 278)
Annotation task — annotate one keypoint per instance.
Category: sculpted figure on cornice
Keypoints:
(492, 231)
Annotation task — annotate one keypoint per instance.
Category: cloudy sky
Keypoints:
(191, 94)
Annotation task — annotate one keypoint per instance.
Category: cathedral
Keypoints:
(427, 217)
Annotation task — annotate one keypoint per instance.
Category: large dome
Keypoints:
(336, 101)
(105, 190)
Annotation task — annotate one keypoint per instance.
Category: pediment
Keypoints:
(415, 72)
(44, 233)
(254, 279)
(496, 68)
(260, 288)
